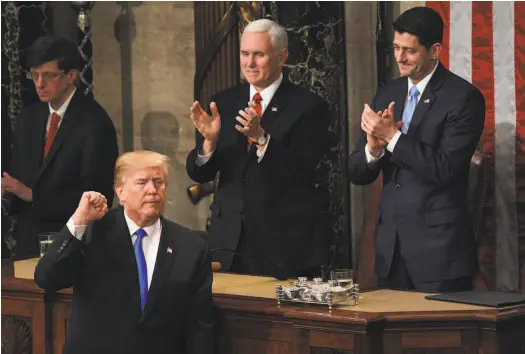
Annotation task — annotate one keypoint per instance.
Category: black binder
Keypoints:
(481, 298)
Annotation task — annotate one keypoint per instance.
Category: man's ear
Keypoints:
(435, 50)
(119, 193)
(73, 76)
(283, 56)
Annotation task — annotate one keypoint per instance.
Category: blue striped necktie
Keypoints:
(142, 267)
(409, 109)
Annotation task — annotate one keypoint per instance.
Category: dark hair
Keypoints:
(49, 48)
(423, 22)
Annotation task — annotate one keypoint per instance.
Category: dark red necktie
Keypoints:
(257, 99)
(52, 133)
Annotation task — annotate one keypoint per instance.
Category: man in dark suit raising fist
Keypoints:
(421, 131)
(265, 139)
(142, 283)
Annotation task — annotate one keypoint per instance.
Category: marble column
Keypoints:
(361, 22)
(316, 61)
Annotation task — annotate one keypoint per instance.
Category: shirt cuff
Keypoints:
(370, 158)
(260, 154)
(202, 159)
(77, 231)
(392, 144)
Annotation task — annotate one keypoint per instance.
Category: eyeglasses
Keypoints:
(46, 77)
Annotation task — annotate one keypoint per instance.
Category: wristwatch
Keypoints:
(261, 140)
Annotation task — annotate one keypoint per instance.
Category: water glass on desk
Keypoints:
(344, 277)
(45, 239)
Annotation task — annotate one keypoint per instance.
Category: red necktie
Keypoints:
(52, 133)
(257, 99)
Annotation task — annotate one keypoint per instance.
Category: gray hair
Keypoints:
(277, 33)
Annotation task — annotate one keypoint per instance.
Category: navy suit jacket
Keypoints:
(82, 158)
(276, 203)
(106, 315)
(424, 199)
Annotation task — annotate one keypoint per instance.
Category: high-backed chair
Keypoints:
(478, 184)
(479, 174)
(215, 266)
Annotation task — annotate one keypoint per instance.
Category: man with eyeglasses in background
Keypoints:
(62, 146)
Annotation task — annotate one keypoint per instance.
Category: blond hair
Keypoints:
(137, 160)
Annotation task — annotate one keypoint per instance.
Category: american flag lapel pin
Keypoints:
(274, 109)
(427, 100)
(170, 251)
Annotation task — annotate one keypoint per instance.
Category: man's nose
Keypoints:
(39, 82)
(400, 56)
(150, 187)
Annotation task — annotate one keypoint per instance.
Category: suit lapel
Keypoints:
(241, 102)
(275, 108)
(122, 249)
(167, 252)
(400, 96)
(38, 136)
(426, 100)
(63, 132)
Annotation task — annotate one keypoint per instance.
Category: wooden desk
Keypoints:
(249, 321)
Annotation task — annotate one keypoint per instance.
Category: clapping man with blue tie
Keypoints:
(142, 284)
(421, 131)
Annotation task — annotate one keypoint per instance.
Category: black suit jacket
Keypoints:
(106, 316)
(424, 198)
(82, 158)
(276, 201)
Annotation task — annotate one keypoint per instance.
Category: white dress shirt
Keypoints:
(421, 85)
(150, 243)
(61, 111)
(267, 95)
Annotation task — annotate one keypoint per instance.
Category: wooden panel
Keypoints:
(33, 314)
(432, 339)
(330, 351)
(434, 351)
(256, 328)
(17, 335)
(253, 325)
(470, 341)
(259, 346)
(343, 341)
(60, 322)
(392, 343)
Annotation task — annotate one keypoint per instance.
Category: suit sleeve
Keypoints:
(359, 171)
(61, 264)
(200, 326)
(208, 171)
(461, 133)
(98, 157)
(295, 157)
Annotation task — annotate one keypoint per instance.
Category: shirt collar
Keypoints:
(268, 92)
(62, 110)
(421, 85)
(150, 230)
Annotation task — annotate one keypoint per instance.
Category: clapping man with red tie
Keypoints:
(265, 140)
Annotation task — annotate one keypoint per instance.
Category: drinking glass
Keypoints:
(45, 239)
(344, 277)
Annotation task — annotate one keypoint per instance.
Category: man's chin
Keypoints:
(45, 99)
(153, 212)
(405, 71)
